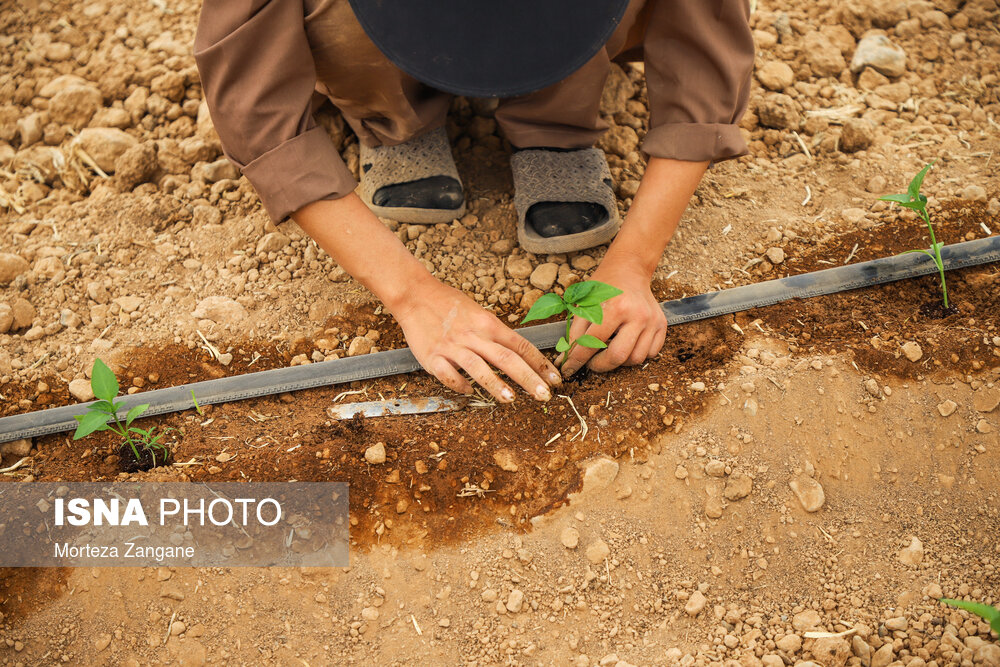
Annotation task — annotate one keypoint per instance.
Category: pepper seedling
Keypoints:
(984, 611)
(913, 200)
(581, 299)
(104, 384)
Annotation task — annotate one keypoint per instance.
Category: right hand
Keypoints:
(449, 332)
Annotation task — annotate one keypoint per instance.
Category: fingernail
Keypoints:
(554, 378)
(542, 393)
(507, 395)
(569, 369)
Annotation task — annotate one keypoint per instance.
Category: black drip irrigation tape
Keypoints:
(543, 336)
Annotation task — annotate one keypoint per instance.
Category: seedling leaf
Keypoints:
(598, 295)
(198, 407)
(591, 313)
(90, 422)
(592, 342)
(135, 412)
(103, 382)
(105, 406)
(899, 199)
(545, 307)
(906, 202)
(578, 291)
(925, 252)
(917, 181)
(989, 614)
(581, 299)
(915, 201)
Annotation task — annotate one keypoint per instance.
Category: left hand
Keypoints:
(634, 326)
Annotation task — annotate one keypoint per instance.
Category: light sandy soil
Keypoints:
(687, 544)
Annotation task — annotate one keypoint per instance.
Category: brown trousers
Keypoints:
(386, 106)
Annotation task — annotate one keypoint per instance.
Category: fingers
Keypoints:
(580, 355)
(484, 376)
(618, 350)
(640, 352)
(658, 340)
(530, 354)
(514, 367)
(449, 376)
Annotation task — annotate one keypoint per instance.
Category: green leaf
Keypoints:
(989, 614)
(926, 252)
(545, 307)
(601, 293)
(918, 203)
(899, 199)
(562, 345)
(577, 291)
(103, 381)
(104, 406)
(590, 313)
(917, 181)
(135, 412)
(90, 422)
(586, 340)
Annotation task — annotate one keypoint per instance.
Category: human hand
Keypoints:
(633, 324)
(448, 332)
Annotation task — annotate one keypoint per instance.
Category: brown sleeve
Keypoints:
(699, 60)
(258, 76)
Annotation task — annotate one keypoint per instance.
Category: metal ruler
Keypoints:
(543, 336)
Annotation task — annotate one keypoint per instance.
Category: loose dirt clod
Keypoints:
(809, 492)
(375, 454)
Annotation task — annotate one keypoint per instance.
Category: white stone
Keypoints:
(809, 492)
(221, 310)
(912, 554)
(912, 351)
(695, 604)
(80, 390)
(375, 454)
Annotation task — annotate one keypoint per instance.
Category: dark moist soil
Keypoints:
(937, 310)
(442, 475)
(148, 458)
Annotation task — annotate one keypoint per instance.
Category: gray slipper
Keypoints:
(426, 156)
(555, 176)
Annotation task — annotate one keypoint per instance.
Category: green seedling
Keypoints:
(103, 416)
(913, 200)
(582, 299)
(984, 611)
(196, 406)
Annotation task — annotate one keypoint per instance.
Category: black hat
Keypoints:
(489, 48)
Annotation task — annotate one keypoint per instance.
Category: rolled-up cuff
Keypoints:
(695, 142)
(302, 170)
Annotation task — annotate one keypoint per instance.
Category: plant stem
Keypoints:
(566, 354)
(569, 322)
(937, 255)
(121, 431)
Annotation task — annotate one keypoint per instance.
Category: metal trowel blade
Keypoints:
(402, 406)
